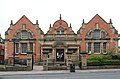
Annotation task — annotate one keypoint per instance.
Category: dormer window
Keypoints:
(60, 31)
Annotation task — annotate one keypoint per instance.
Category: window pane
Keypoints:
(16, 48)
(31, 47)
(30, 35)
(96, 47)
(96, 34)
(90, 35)
(24, 47)
(89, 48)
(58, 32)
(24, 34)
(62, 32)
(104, 47)
(18, 35)
(103, 35)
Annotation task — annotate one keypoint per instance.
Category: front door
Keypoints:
(59, 54)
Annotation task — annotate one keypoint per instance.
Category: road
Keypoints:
(85, 75)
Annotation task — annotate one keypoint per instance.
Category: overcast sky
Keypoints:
(48, 11)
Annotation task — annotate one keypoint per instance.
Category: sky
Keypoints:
(48, 11)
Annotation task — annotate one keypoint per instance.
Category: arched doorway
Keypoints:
(60, 51)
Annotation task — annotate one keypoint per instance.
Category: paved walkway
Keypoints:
(38, 70)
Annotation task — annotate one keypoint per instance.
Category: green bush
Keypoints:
(17, 61)
(111, 62)
(104, 62)
(94, 63)
(99, 57)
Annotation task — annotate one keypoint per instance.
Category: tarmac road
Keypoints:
(76, 75)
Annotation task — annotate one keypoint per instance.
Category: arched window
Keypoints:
(30, 35)
(103, 34)
(96, 34)
(90, 35)
(24, 34)
(18, 35)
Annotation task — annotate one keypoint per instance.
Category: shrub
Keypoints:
(111, 62)
(104, 62)
(99, 57)
(94, 63)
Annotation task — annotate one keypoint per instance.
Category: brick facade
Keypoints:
(97, 36)
(14, 35)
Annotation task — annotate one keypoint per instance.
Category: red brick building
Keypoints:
(98, 36)
(62, 44)
(21, 37)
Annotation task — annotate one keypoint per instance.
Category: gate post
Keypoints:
(30, 60)
(83, 60)
(45, 61)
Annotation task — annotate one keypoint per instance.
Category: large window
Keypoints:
(96, 34)
(24, 47)
(97, 47)
(24, 34)
(89, 48)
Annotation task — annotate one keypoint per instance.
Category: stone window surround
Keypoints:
(92, 31)
(20, 34)
(101, 47)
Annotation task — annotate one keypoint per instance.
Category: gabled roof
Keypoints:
(23, 17)
(98, 17)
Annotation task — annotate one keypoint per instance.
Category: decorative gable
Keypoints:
(60, 25)
(97, 23)
(23, 24)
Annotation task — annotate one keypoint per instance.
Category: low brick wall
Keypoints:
(57, 67)
(15, 69)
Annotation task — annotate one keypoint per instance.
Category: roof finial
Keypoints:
(50, 25)
(11, 22)
(36, 21)
(110, 21)
(60, 17)
(70, 25)
(83, 21)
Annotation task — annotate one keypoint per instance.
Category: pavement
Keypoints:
(38, 70)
